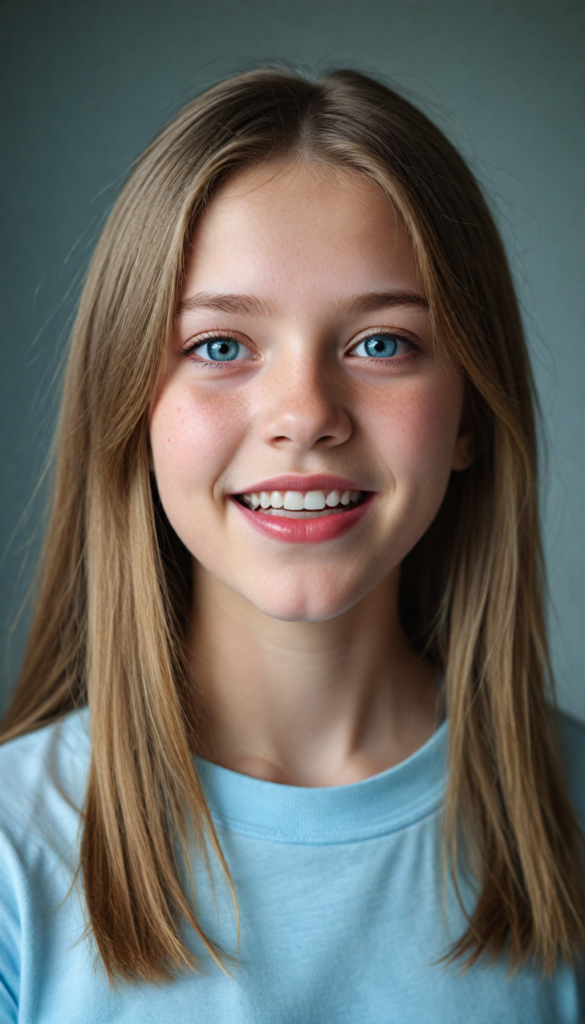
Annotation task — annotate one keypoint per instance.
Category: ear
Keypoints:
(464, 450)
(150, 458)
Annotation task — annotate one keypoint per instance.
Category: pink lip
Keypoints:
(305, 531)
(296, 482)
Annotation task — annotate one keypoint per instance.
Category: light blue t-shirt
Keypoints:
(339, 892)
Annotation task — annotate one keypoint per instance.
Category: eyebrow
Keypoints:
(253, 305)
(371, 301)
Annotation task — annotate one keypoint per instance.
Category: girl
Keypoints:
(281, 749)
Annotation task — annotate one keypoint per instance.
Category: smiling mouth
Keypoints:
(302, 504)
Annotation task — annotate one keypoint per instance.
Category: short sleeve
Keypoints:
(10, 934)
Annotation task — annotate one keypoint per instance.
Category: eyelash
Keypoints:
(414, 349)
(210, 336)
(216, 364)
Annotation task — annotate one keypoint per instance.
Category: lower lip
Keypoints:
(305, 531)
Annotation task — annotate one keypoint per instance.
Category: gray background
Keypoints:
(85, 85)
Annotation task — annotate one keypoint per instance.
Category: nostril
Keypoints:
(304, 427)
(284, 439)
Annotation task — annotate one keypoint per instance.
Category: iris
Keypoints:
(223, 349)
(380, 345)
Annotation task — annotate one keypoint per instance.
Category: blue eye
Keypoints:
(220, 350)
(379, 346)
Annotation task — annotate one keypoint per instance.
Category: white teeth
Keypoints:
(314, 500)
(297, 501)
(294, 501)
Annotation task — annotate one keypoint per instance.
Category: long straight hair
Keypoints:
(110, 617)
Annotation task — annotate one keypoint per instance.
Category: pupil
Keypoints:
(380, 345)
(223, 349)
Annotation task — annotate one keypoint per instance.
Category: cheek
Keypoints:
(193, 438)
(417, 429)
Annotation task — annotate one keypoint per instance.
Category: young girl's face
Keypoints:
(301, 374)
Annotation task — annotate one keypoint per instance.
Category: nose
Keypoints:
(305, 410)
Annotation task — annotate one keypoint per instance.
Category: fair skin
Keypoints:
(324, 375)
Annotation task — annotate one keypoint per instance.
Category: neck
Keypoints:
(308, 703)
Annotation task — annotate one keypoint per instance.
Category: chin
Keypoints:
(303, 603)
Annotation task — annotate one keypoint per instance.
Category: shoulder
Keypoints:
(572, 741)
(43, 777)
(42, 789)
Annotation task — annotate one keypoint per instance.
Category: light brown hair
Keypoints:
(114, 590)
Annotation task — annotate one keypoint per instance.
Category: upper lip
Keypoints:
(295, 482)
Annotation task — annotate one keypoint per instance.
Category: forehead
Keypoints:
(300, 228)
